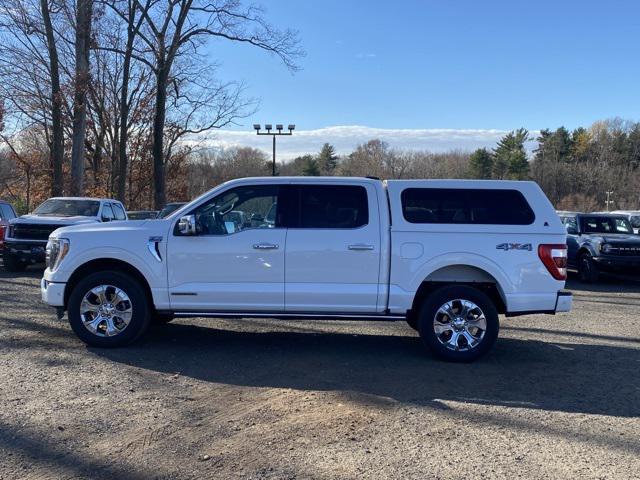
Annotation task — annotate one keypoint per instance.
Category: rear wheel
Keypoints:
(587, 269)
(458, 323)
(13, 263)
(108, 309)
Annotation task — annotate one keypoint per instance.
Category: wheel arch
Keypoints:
(584, 249)
(460, 274)
(105, 264)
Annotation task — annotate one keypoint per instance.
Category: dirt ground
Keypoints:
(558, 397)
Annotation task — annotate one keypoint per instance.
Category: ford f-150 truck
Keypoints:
(26, 236)
(447, 256)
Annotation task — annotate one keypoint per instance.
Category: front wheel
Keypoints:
(108, 309)
(458, 323)
(587, 269)
(159, 319)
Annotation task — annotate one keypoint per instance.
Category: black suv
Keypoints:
(602, 242)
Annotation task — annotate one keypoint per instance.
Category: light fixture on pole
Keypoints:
(279, 127)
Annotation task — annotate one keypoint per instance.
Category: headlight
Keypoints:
(605, 248)
(57, 249)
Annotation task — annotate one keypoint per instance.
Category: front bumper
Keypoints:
(29, 251)
(630, 264)
(52, 293)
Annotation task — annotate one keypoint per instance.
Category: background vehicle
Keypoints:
(633, 216)
(602, 242)
(26, 236)
(169, 208)
(456, 255)
(567, 217)
(142, 214)
(6, 213)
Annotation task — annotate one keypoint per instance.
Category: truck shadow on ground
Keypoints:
(567, 377)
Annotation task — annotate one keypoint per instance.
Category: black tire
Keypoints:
(436, 343)
(139, 303)
(587, 269)
(158, 319)
(13, 263)
(412, 320)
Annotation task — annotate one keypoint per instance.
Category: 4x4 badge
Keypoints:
(514, 246)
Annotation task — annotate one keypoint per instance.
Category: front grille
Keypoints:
(32, 231)
(624, 250)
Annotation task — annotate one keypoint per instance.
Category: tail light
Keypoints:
(554, 257)
(2, 230)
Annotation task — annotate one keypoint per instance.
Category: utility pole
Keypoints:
(279, 127)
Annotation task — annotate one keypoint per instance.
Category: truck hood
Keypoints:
(52, 220)
(614, 238)
(97, 228)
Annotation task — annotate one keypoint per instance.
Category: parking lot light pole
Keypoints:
(608, 202)
(279, 127)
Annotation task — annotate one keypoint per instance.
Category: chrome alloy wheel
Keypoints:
(106, 310)
(459, 325)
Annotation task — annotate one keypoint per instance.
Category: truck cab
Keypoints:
(447, 256)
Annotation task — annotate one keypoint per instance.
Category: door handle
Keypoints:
(265, 246)
(360, 246)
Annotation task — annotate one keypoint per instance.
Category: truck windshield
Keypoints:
(169, 209)
(60, 207)
(606, 225)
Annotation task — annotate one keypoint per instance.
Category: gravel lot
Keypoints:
(559, 397)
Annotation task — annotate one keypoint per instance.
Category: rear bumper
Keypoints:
(52, 293)
(564, 302)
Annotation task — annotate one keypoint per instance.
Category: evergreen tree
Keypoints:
(510, 156)
(311, 169)
(481, 163)
(327, 159)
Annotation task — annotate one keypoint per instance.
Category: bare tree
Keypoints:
(57, 140)
(179, 27)
(84, 9)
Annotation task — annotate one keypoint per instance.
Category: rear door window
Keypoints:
(118, 211)
(107, 213)
(331, 206)
(466, 206)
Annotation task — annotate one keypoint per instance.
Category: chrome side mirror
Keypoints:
(187, 225)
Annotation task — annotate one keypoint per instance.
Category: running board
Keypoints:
(284, 316)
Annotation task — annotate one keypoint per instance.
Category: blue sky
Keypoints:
(454, 65)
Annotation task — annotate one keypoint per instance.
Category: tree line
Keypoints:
(575, 168)
(96, 96)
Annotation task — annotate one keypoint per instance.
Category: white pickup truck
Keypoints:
(447, 256)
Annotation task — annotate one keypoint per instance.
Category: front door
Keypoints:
(333, 249)
(235, 262)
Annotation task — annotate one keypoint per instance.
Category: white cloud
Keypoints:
(346, 138)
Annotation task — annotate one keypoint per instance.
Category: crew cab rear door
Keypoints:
(332, 256)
